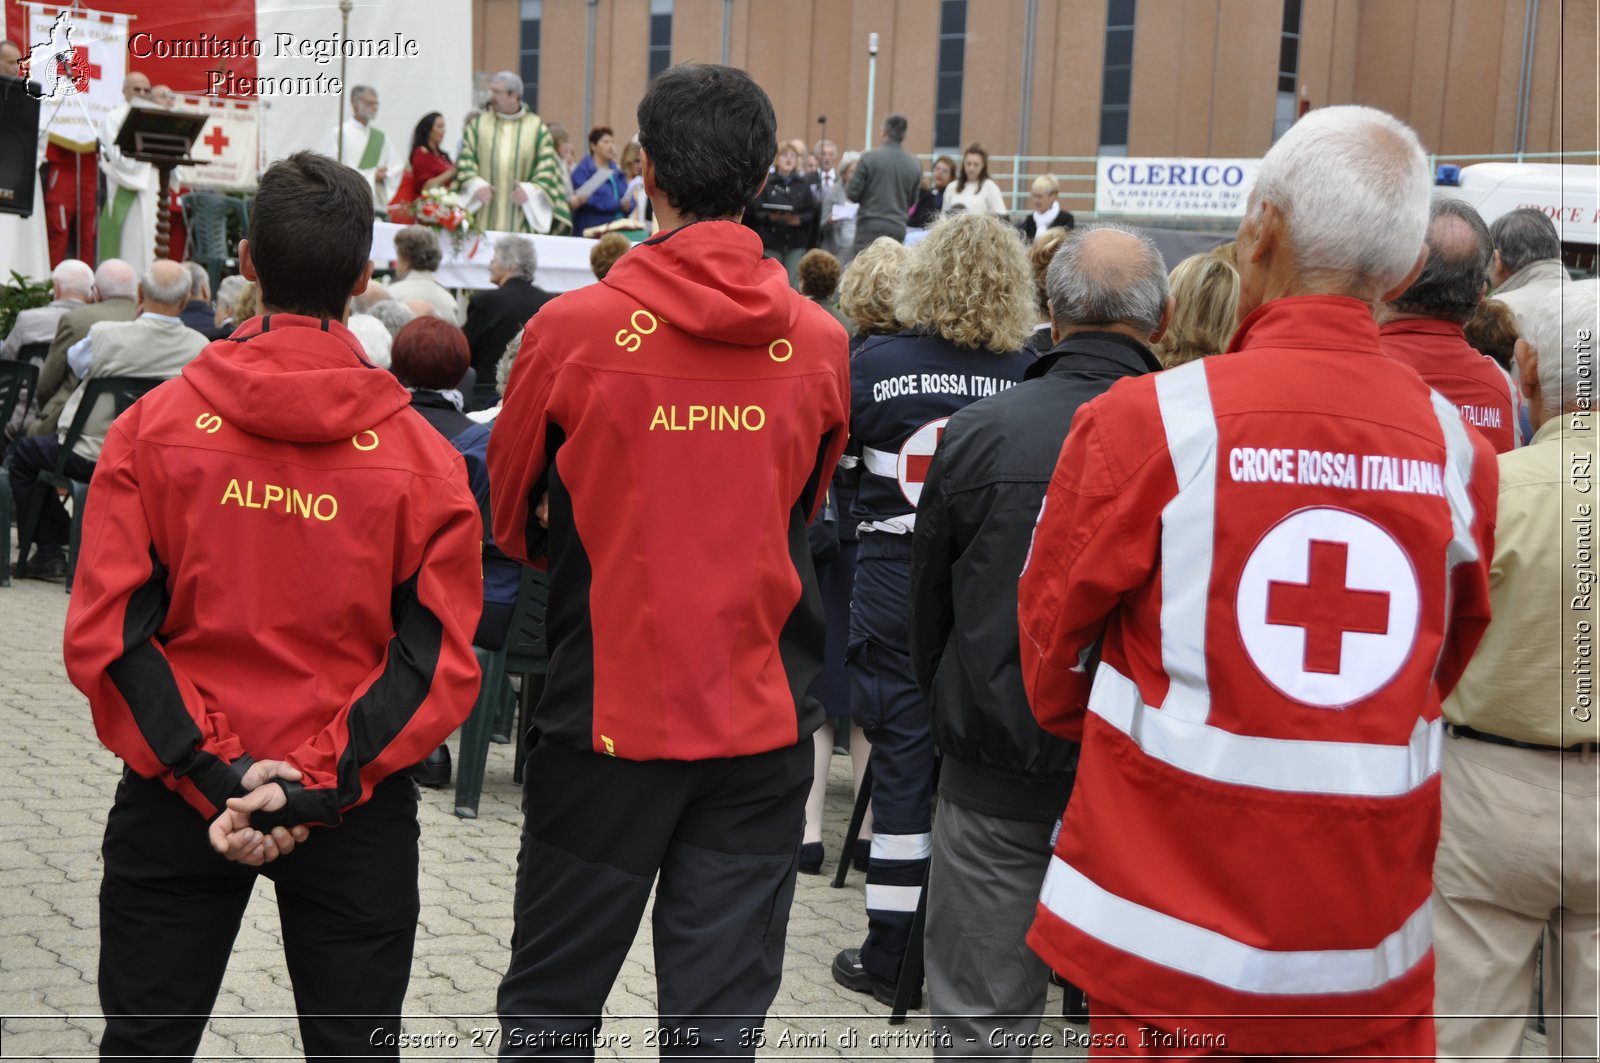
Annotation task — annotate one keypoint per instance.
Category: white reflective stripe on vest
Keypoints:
(881, 462)
(1187, 536)
(1458, 474)
(1170, 942)
(892, 898)
(1287, 765)
(901, 846)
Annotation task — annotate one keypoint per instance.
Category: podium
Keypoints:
(163, 139)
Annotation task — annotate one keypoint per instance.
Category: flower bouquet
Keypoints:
(438, 208)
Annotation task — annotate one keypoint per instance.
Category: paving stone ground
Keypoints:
(56, 784)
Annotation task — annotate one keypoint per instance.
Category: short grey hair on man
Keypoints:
(1353, 185)
(1094, 280)
(1459, 252)
(894, 127)
(395, 315)
(1562, 330)
(74, 277)
(172, 291)
(1525, 235)
(506, 79)
(362, 92)
(199, 280)
(115, 279)
(516, 253)
(228, 290)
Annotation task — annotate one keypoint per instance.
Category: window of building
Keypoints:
(532, 16)
(660, 36)
(1116, 86)
(1288, 70)
(952, 68)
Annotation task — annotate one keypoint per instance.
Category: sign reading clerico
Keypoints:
(1173, 186)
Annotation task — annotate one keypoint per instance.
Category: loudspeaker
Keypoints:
(19, 145)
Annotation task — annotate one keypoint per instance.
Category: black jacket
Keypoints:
(1062, 220)
(794, 192)
(974, 526)
(198, 315)
(494, 316)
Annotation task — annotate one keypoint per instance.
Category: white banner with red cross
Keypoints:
(229, 146)
(80, 61)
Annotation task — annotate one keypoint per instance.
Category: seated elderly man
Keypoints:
(198, 313)
(494, 316)
(1517, 859)
(115, 284)
(71, 286)
(156, 344)
(228, 293)
(416, 255)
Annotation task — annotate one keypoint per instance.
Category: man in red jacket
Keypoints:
(272, 620)
(1282, 558)
(1422, 326)
(682, 418)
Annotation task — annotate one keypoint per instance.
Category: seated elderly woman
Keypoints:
(429, 357)
(416, 256)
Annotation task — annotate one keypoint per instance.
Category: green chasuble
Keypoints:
(506, 150)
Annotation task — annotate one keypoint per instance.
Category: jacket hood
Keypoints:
(712, 279)
(298, 379)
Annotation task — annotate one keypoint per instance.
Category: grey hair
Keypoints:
(502, 368)
(228, 290)
(517, 254)
(506, 79)
(394, 315)
(199, 280)
(1525, 235)
(361, 92)
(1353, 185)
(374, 337)
(894, 127)
(172, 291)
(1452, 282)
(115, 279)
(1561, 329)
(1098, 287)
(73, 276)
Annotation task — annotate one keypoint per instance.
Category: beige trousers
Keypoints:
(1517, 857)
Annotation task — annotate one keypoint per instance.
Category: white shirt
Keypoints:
(1041, 222)
(986, 198)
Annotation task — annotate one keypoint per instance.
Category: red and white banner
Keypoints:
(229, 146)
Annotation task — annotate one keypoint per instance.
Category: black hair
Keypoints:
(424, 130)
(711, 134)
(597, 132)
(310, 234)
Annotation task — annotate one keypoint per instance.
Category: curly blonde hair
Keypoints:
(969, 281)
(866, 293)
(1205, 294)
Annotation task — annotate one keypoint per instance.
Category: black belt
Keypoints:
(1466, 732)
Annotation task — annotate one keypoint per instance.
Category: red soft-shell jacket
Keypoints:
(1481, 391)
(281, 560)
(1285, 552)
(684, 416)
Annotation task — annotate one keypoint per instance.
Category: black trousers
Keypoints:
(31, 456)
(718, 839)
(170, 908)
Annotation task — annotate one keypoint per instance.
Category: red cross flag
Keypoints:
(1328, 607)
(228, 145)
(916, 456)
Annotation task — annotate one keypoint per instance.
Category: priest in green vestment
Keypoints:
(509, 174)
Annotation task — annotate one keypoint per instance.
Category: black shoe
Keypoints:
(49, 567)
(862, 854)
(848, 972)
(811, 857)
(434, 771)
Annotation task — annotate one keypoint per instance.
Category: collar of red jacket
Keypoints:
(298, 379)
(1316, 322)
(1430, 326)
(709, 279)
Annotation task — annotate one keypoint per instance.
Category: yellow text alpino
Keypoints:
(709, 418)
(290, 501)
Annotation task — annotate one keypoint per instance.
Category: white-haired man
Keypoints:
(156, 344)
(1517, 858)
(365, 147)
(71, 286)
(509, 171)
(494, 316)
(115, 286)
(1280, 558)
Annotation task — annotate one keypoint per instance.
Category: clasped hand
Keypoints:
(231, 833)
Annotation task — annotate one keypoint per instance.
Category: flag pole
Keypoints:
(344, 87)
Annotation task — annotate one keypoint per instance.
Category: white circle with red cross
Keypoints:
(916, 454)
(1327, 607)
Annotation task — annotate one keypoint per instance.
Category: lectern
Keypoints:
(163, 139)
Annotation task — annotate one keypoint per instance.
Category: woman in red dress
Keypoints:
(430, 166)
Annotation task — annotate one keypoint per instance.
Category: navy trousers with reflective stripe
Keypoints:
(885, 701)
